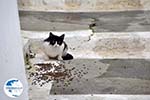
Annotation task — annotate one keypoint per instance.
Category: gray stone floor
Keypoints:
(106, 79)
(109, 76)
(124, 21)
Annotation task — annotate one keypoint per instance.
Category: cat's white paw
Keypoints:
(60, 58)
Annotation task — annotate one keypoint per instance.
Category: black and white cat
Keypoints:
(55, 47)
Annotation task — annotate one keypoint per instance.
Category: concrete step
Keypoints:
(94, 76)
(86, 44)
(83, 5)
(89, 77)
(123, 21)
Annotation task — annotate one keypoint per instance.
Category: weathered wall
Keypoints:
(11, 55)
(83, 5)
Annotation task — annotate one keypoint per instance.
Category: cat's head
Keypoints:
(55, 40)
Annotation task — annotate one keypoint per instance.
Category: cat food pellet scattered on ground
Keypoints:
(61, 75)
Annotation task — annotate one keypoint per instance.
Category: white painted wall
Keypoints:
(11, 55)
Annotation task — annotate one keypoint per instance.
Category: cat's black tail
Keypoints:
(67, 57)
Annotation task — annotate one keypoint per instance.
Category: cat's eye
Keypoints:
(53, 42)
(59, 42)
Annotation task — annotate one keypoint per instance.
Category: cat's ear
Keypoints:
(50, 34)
(62, 36)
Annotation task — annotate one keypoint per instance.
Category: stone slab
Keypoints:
(124, 21)
(111, 76)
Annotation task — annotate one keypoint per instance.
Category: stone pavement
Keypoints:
(123, 21)
(110, 76)
(90, 78)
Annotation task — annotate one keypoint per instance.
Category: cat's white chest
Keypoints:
(52, 51)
